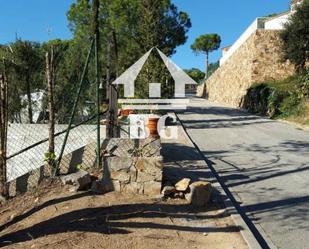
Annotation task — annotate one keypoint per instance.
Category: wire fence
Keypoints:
(72, 100)
(28, 143)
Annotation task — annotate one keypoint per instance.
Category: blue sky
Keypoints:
(32, 19)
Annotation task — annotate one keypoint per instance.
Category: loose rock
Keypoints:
(81, 179)
(183, 184)
(199, 194)
(12, 216)
(179, 195)
(72, 189)
(168, 190)
(99, 187)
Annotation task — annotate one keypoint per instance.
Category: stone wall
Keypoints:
(85, 156)
(200, 90)
(268, 61)
(130, 165)
(133, 166)
(257, 60)
(136, 175)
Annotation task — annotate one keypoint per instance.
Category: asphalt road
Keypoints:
(264, 163)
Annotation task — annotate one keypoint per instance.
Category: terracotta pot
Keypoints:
(126, 112)
(152, 126)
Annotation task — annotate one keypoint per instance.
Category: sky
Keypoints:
(41, 20)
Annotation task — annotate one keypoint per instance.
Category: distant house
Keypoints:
(225, 50)
(38, 111)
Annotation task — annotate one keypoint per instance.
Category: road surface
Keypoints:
(264, 163)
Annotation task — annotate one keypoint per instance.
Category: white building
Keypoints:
(37, 107)
(268, 23)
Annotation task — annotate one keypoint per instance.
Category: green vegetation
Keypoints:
(296, 37)
(127, 30)
(49, 156)
(137, 27)
(286, 99)
(272, 15)
(212, 68)
(23, 63)
(206, 44)
(196, 74)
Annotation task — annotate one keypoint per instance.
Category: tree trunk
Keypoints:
(96, 33)
(109, 127)
(112, 91)
(29, 99)
(3, 134)
(51, 130)
(206, 65)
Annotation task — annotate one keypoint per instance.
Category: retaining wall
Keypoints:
(258, 59)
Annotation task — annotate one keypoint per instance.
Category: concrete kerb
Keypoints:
(230, 208)
(246, 232)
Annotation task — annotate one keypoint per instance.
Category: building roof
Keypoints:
(278, 15)
(226, 48)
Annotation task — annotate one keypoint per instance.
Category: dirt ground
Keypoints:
(54, 217)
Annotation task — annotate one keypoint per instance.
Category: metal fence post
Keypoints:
(96, 32)
(3, 134)
(74, 107)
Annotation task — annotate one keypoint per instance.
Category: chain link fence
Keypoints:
(28, 143)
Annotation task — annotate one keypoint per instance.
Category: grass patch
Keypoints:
(285, 99)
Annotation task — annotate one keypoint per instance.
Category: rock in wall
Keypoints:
(257, 60)
(268, 61)
(133, 166)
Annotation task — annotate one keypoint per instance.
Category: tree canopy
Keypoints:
(205, 44)
(128, 28)
(23, 61)
(213, 67)
(295, 36)
(196, 74)
(138, 26)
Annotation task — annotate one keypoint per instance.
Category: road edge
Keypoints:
(236, 216)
